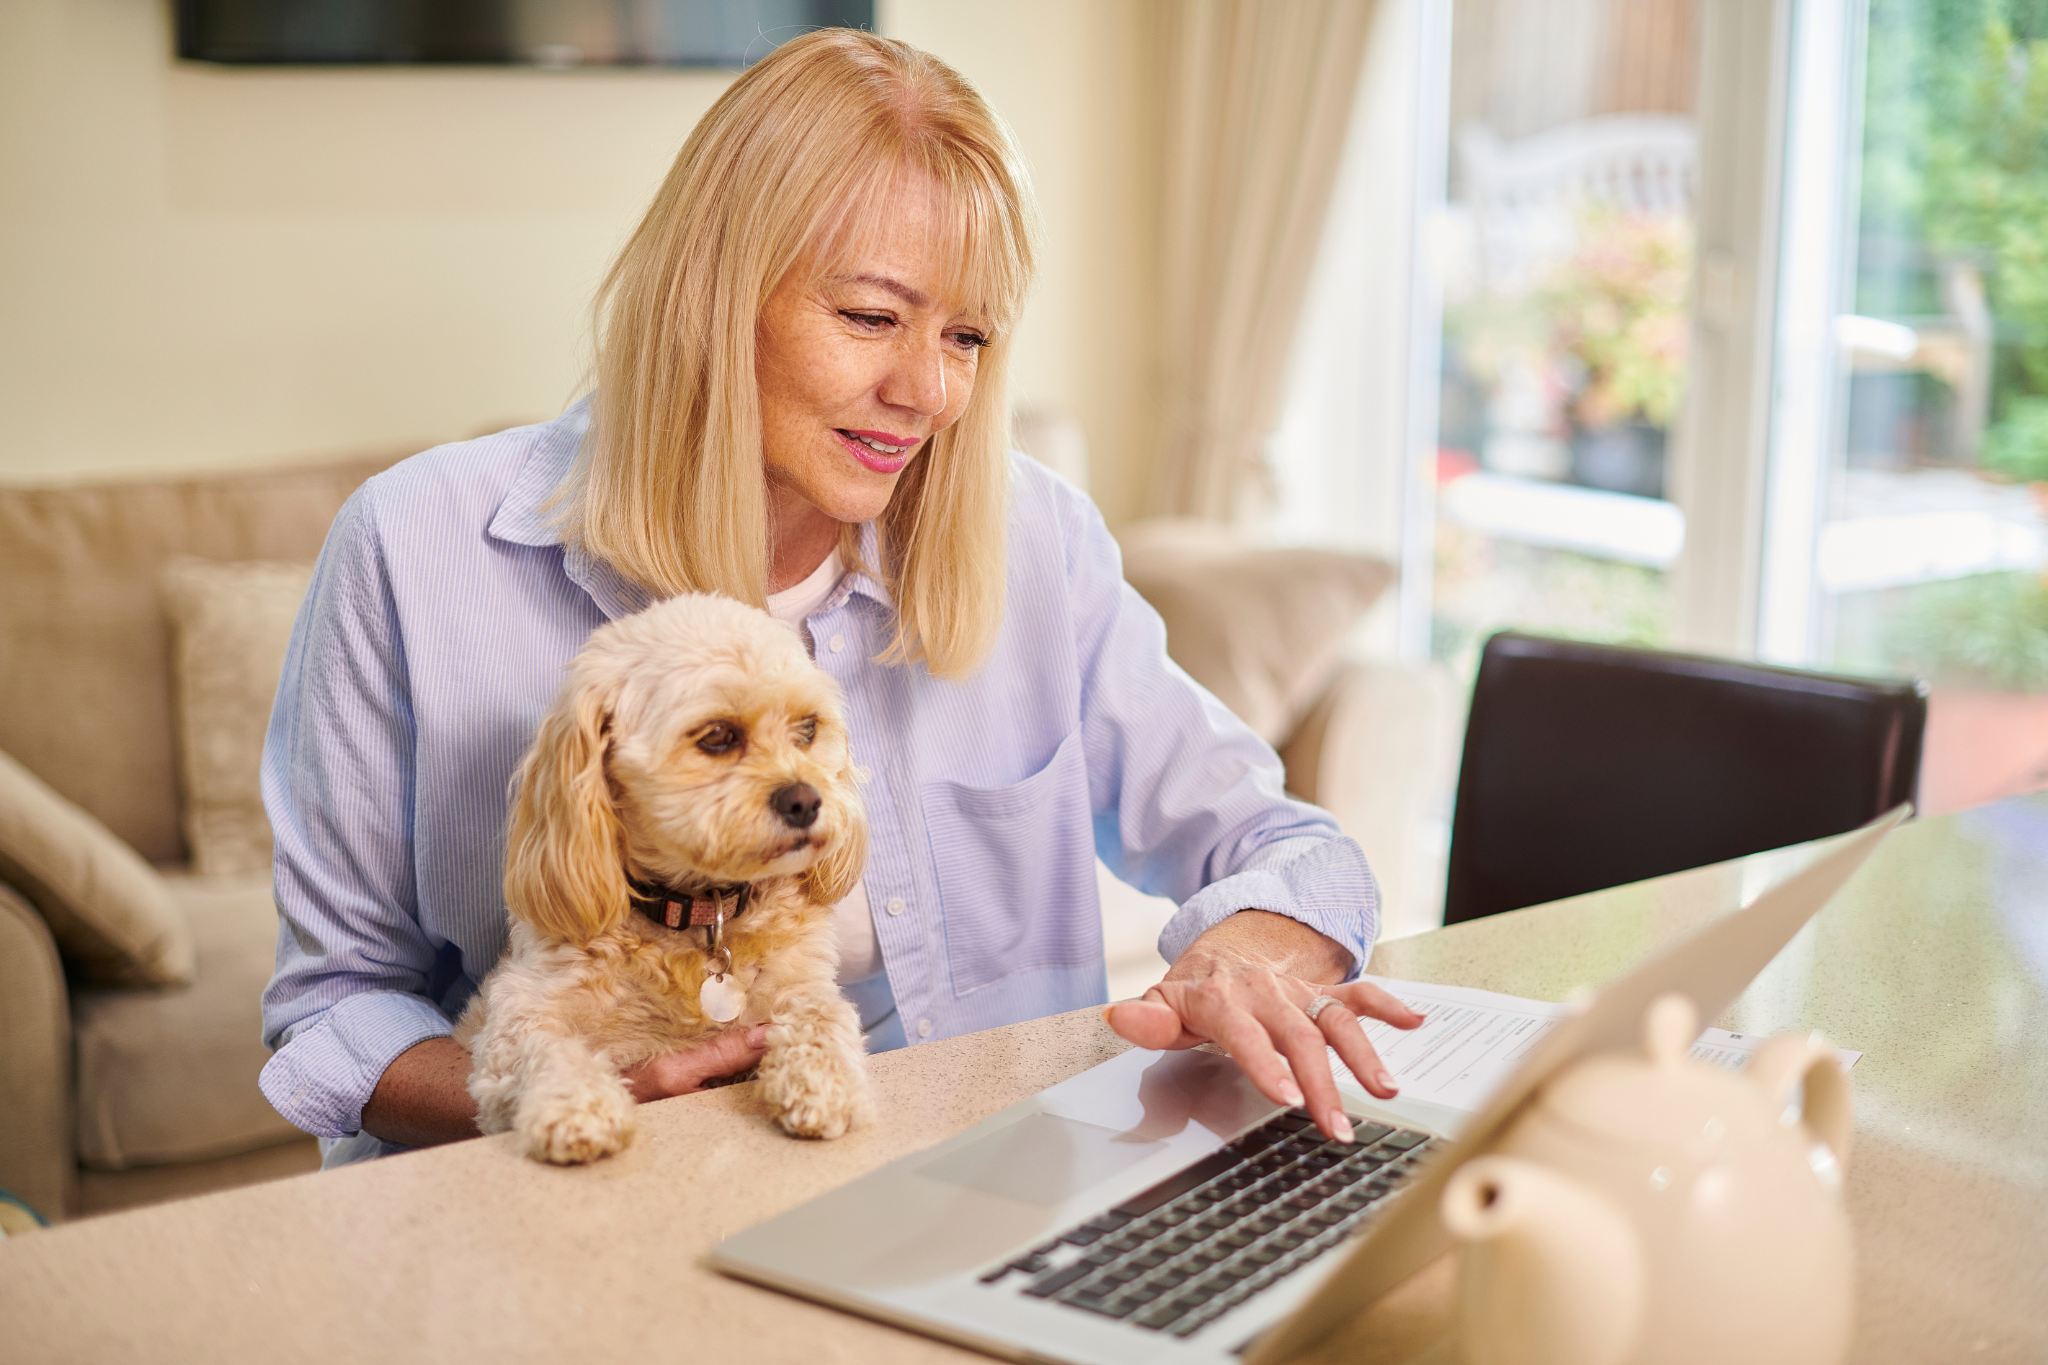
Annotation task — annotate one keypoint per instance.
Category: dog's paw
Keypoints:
(573, 1131)
(823, 1101)
(818, 1117)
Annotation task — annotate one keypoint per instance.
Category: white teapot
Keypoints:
(1656, 1210)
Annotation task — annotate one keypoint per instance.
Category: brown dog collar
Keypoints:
(707, 907)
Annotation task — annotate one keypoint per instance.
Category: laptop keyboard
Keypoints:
(1191, 1248)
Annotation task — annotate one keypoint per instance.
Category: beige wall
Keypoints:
(203, 266)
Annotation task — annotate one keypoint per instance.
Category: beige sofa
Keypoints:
(119, 1094)
(116, 1094)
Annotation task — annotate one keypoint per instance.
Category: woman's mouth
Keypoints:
(880, 451)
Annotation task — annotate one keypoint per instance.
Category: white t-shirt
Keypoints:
(860, 954)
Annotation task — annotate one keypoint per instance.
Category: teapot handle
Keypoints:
(1784, 1062)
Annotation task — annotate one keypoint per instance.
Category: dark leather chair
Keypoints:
(1589, 766)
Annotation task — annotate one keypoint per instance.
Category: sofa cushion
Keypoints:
(230, 625)
(1379, 751)
(36, 1150)
(107, 909)
(85, 678)
(170, 1075)
(1261, 628)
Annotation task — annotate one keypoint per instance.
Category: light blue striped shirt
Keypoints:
(434, 638)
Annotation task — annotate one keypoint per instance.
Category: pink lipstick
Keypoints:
(868, 448)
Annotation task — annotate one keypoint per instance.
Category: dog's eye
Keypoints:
(807, 731)
(720, 737)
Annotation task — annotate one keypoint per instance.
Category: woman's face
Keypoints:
(859, 368)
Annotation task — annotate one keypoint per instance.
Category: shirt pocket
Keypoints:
(1016, 871)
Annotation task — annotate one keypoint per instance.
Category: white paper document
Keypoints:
(1471, 1041)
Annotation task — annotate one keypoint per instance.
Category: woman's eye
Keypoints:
(807, 731)
(874, 320)
(720, 737)
(970, 340)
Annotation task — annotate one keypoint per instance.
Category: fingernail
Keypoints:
(757, 1036)
(1340, 1126)
(1289, 1094)
(1386, 1081)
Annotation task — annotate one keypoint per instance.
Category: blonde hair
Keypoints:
(794, 165)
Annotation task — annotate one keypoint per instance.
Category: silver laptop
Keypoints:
(1158, 1208)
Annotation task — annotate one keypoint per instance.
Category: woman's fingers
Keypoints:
(1150, 1023)
(1303, 1042)
(1341, 1027)
(1219, 1010)
(1370, 1001)
(685, 1070)
(1246, 1038)
(1342, 1024)
(1256, 1018)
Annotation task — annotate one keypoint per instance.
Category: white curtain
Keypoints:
(1259, 95)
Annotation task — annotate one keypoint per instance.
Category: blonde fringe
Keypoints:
(792, 166)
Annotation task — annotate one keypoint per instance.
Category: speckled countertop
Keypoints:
(1933, 962)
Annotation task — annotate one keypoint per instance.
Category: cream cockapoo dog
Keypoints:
(684, 822)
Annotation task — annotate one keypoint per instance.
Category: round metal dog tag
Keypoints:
(720, 999)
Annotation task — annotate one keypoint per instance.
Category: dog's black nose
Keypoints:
(797, 805)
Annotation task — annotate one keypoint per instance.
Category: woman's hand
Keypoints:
(423, 1097)
(1246, 985)
(686, 1070)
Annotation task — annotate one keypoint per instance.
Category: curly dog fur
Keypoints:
(662, 761)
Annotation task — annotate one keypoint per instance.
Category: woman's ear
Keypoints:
(832, 878)
(564, 859)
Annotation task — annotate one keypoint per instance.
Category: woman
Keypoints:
(801, 403)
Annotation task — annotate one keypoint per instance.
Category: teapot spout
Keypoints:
(1552, 1272)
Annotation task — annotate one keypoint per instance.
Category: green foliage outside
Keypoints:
(1955, 166)
(1484, 585)
(2018, 446)
(1986, 631)
(1956, 157)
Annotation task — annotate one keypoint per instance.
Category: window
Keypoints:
(1904, 531)
(1564, 251)
(1727, 330)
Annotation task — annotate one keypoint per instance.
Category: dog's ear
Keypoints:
(832, 878)
(564, 869)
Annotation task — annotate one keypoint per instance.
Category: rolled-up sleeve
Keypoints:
(354, 966)
(1189, 801)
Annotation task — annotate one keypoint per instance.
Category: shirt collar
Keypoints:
(861, 581)
(524, 518)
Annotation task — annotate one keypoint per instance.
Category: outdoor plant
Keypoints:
(1617, 309)
(1957, 155)
(1990, 175)
(1987, 630)
(1606, 324)
(1955, 163)
(2017, 447)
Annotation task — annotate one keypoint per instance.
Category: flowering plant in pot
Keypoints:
(1617, 315)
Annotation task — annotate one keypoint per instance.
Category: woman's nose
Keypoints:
(917, 381)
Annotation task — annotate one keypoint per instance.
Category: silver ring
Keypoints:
(1319, 1004)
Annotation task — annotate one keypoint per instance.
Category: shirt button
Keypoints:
(895, 905)
(924, 1028)
(838, 643)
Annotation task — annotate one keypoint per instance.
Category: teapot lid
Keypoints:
(1660, 1095)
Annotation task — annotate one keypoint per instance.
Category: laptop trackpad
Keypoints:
(1040, 1159)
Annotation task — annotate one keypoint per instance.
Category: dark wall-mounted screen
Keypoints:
(554, 33)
